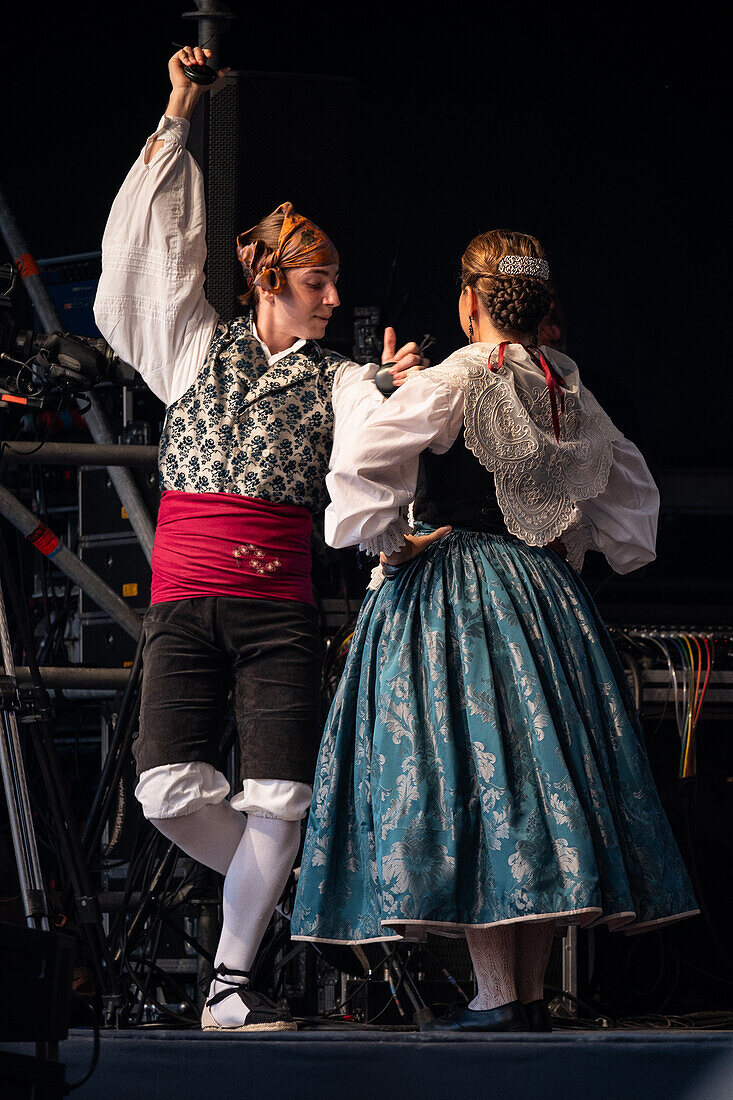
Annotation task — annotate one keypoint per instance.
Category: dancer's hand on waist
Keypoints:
(414, 545)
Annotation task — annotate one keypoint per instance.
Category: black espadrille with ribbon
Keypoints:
(262, 1013)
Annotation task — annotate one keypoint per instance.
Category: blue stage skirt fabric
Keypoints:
(483, 762)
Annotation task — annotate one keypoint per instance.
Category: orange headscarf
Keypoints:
(301, 244)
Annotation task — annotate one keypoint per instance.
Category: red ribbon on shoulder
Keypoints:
(553, 380)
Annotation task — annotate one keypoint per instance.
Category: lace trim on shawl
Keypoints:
(508, 427)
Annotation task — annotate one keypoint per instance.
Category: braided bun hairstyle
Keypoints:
(514, 303)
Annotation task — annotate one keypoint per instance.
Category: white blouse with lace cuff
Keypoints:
(373, 474)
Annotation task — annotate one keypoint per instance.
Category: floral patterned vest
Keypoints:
(249, 428)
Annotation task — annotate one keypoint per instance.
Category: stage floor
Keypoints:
(391, 1063)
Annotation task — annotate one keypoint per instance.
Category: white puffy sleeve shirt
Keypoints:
(374, 466)
(150, 304)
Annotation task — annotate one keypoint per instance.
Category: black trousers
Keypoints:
(268, 653)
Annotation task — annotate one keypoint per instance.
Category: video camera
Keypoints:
(44, 370)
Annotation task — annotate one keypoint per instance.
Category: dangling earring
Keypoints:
(470, 330)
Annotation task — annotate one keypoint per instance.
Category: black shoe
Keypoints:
(263, 1014)
(509, 1017)
(538, 1016)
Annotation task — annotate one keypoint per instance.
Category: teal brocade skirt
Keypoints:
(483, 762)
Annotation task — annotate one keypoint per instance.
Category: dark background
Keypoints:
(604, 135)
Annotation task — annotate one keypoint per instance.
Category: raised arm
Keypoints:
(150, 303)
(185, 94)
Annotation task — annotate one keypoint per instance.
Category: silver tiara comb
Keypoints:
(524, 265)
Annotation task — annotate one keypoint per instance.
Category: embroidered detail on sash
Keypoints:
(256, 559)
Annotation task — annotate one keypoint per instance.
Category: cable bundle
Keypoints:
(689, 656)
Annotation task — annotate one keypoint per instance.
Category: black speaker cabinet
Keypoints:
(35, 984)
(271, 138)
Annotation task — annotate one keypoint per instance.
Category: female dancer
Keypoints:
(482, 771)
(243, 457)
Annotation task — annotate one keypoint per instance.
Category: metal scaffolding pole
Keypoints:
(49, 544)
(71, 678)
(94, 416)
(80, 454)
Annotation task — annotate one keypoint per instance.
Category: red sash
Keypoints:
(224, 544)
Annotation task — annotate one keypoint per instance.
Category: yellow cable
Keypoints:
(688, 720)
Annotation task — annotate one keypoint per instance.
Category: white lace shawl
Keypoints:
(508, 427)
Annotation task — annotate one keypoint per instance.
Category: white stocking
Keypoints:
(493, 955)
(210, 835)
(534, 943)
(256, 877)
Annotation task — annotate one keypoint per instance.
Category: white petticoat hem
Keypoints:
(592, 917)
(646, 925)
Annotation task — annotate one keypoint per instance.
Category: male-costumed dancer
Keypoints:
(243, 458)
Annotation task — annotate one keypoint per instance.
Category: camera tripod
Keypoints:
(29, 708)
